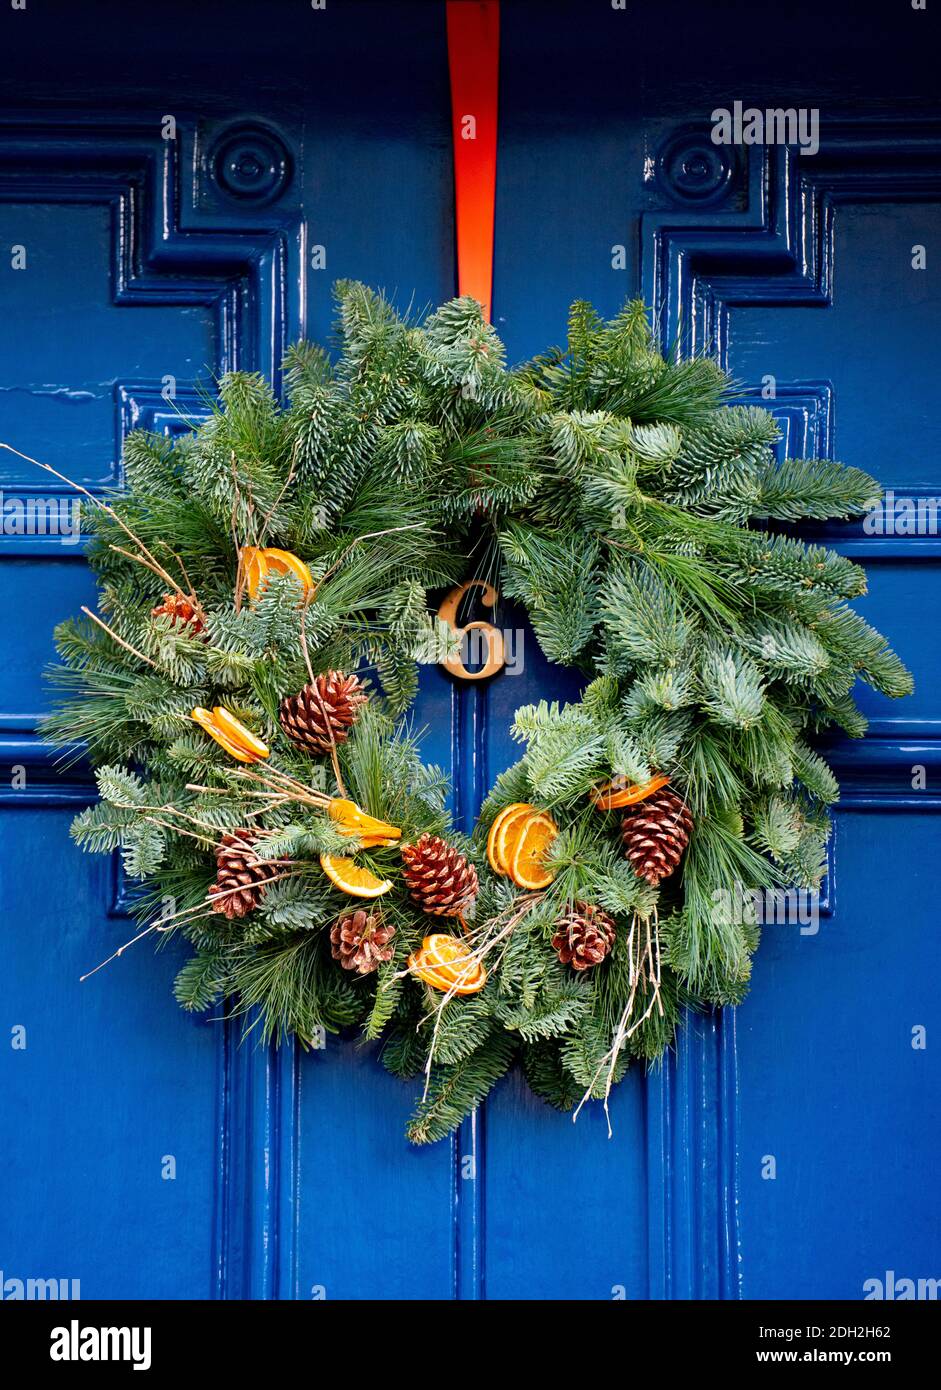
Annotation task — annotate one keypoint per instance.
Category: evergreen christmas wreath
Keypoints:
(264, 583)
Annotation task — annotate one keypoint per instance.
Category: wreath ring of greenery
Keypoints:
(264, 585)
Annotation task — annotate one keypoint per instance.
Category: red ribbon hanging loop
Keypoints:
(474, 60)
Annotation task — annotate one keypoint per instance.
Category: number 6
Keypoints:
(448, 614)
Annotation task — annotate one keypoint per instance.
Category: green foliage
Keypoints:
(456, 1090)
(817, 488)
(202, 981)
(610, 490)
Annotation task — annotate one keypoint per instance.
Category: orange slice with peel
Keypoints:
(510, 833)
(471, 984)
(492, 839)
(203, 718)
(353, 878)
(447, 954)
(206, 719)
(527, 865)
(352, 820)
(507, 835)
(255, 568)
(450, 960)
(235, 731)
(418, 965)
(444, 962)
(258, 562)
(614, 795)
(286, 562)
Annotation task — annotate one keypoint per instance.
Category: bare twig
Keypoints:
(120, 640)
(274, 780)
(266, 520)
(102, 506)
(154, 926)
(488, 941)
(152, 565)
(643, 970)
(185, 916)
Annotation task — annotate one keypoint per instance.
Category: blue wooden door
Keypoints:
(175, 199)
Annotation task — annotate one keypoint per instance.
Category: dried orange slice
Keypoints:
(286, 562)
(206, 719)
(418, 965)
(203, 718)
(235, 731)
(352, 820)
(472, 983)
(499, 820)
(527, 865)
(353, 878)
(447, 954)
(615, 794)
(259, 562)
(507, 834)
(454, 978)
(449, 958)
(255, 569)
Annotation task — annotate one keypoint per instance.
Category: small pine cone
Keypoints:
(360, 941)
(328, 705)
(439, 878)
(186, 612)
(241, 877)
(583, 936)
(656, 833)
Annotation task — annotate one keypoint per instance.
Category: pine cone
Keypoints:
(583, 936)
(241, 877)
(655, 833)
(329, 705)
(439, 878)
(359, 941)
(184, 611)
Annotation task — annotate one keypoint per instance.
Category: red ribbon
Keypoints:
(474, 60)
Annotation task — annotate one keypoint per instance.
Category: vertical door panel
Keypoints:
(839, 1104)
(834, 1090)
(113, 1109)
(112, 1101)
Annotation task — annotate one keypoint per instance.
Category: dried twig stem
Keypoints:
(120, 640)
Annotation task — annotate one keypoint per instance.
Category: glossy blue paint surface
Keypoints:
(141, 267)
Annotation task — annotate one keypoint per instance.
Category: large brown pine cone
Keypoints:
(583, 936)
(186, 612)
(656, 833)
(360, 941)
(241, 877)
(329, 705)
(439, 878)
